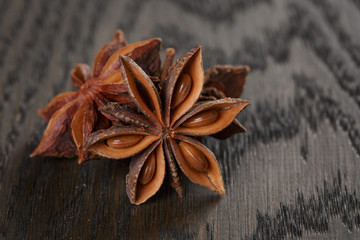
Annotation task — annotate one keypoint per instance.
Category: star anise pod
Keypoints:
(73, 115)
(157, 132)
(225, 81)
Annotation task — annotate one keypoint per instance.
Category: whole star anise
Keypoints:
(156, 132)
(73, 115)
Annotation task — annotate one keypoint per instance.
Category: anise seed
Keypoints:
(182, 89)
(123, 141)
(194, 157)
(202, 119)
(148, 169)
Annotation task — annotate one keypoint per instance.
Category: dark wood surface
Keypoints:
(295, 173)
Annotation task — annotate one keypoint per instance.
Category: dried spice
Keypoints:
(73, 115)
(156, 116)
(159, 131)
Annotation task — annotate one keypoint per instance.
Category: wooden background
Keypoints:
(295, 173)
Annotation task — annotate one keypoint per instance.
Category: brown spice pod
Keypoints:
(80, 74)
(191, 64)
(125, 114)
(56, 103)
(145, 53)
(174, 176)
(137, 192)
(96, 142)
(58, 128)
(81, 129)
(210, 178)
(228, 79)
(118, 42)
(134, 77)
(227, 108)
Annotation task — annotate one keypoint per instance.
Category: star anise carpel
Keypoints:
(158, 131)
(225, 81)
(74, 115)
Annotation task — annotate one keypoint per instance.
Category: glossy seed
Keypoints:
(194, 157)
(148, 170)
(123, 141)
(202, 119)
(182, 89)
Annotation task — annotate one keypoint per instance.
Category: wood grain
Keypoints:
(294, 174)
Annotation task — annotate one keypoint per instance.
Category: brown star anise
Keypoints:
(73, 115)
(156, 131)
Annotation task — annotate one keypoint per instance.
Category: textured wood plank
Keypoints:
(295, 173)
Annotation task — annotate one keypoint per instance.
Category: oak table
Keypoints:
(295, 173)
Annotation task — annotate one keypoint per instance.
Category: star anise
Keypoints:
(73, 115)
(157, 131)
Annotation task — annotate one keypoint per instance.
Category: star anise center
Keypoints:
(167, 132)
(89, 87)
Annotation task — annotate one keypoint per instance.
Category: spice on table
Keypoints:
(127, 106)
(159, 131)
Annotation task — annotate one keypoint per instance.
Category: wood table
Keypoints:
(295, 173)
